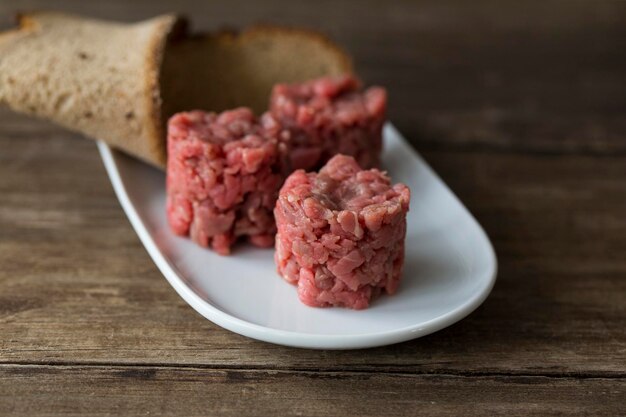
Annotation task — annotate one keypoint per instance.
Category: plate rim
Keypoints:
(285, 337)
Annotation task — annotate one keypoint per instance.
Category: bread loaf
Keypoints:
(120, 82)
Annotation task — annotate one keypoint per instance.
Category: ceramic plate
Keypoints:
(449, 270)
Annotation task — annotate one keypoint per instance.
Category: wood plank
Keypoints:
(103, 391)
(543, 76)
(76, 286)
(89, 326)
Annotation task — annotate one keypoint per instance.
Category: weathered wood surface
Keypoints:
(159, 391)
(77, 286)
(521, 108)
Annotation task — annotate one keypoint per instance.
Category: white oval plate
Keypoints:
(449, 270)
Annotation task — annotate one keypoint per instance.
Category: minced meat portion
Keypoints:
(318, 119)
(224, 170)
(341, 234)
(222, 180)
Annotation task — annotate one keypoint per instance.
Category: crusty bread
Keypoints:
(224, 70)
(99, 78)
(120, 82)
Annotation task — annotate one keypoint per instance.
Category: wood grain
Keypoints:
(78, 287)
(151, 391)
(518, 106)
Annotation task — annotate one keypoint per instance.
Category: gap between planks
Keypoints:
(315, 371)
(513, 150)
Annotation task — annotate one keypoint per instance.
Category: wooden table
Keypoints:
(520, 106)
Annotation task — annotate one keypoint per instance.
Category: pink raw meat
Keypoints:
(341, 234)
(224, 171)
(221, 178)
(318, 119)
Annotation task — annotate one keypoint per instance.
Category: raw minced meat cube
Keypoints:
(221, 178)
(324, 117)
(341, 234)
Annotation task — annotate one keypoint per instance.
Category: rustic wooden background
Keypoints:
(520, 106)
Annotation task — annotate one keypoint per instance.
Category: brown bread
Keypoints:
(119, 82)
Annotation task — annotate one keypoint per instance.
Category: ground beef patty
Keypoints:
(222, 179)
(327, 116)
(341, 234)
